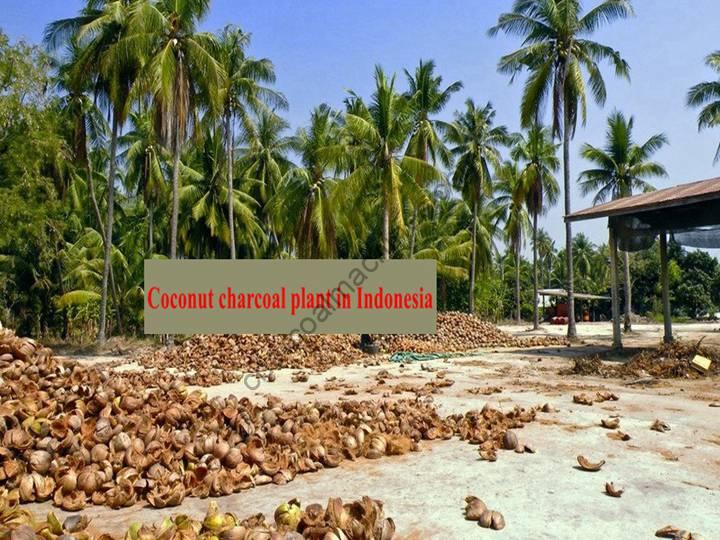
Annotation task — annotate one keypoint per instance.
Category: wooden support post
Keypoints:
(665, 282)
(617, 334)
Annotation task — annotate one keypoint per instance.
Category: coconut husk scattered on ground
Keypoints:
(433, 386)
(80, 435)
(207, 356)
(477, 510)
(492, 429)
(356, 520)
(484, 390)
(667, 361)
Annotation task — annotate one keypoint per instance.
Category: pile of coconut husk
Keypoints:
(589, 365)
(81, 435)
(212, 354)
(458, 331)
(251, 353)
(357, 520)
(667, 361)
(492, 430)
(78, 435)
(13, 347)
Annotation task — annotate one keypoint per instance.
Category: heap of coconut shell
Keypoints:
(79, 435)
(458, 331)
(358, 520)
(218, 356)
(492, 430)
(256, 353)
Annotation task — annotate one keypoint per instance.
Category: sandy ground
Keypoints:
(669, 478)
(641, 335)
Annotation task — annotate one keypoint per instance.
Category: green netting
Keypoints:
(409, 356)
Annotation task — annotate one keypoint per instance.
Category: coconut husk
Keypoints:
(81, 435)
(357, 520)
(667, 361)
(213, 359)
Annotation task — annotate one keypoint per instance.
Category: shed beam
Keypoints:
(665, 282)
(617, 334)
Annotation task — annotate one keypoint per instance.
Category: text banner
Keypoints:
(290, 296)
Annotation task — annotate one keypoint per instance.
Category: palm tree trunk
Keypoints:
(64, 312)
(108, 231)
(151, 228)
(386, 231)
(175, 193)
(96, 207)
(536, 317)
(93, 198)
(517, 283)
(229, 136)
(572, 331)
(471, 298)
(413, 225)
(548, 277)
(627, 327)
(413, 228)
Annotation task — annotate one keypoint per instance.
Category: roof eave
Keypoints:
(598, 212)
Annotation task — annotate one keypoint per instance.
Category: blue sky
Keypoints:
(322, 48)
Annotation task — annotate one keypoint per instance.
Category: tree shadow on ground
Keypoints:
(605, 352)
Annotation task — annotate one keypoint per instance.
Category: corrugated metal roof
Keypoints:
(563, 292)
(693, 192)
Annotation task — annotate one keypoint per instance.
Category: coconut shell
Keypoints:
(474, 508)
(510, 440)
(40, 461)
(498, 521)
(582, 399)
(610, 423)
(659, 425)
(114, 436)
(486, 519)
(611, 490)
(587, 465)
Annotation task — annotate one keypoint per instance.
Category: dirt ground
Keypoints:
(669, 478)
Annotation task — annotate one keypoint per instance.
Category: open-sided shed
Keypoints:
(689, 212)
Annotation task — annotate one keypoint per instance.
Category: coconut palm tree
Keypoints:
(181, 72)
(99, 31)
(707, 96)
(89, 129)
(242, 93)
(583, 253)
(443, 238)
(83, 265)
(145, 160)
(620, 169)
(583, 259)
(86, 118)
(538, 152)
(262, 164)
(512, 198)
(304, 199)
(600, 270)
(427, 97)
(205, 230)
(377, 133)
(559, 56)
(546, 251)
(476, 146)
